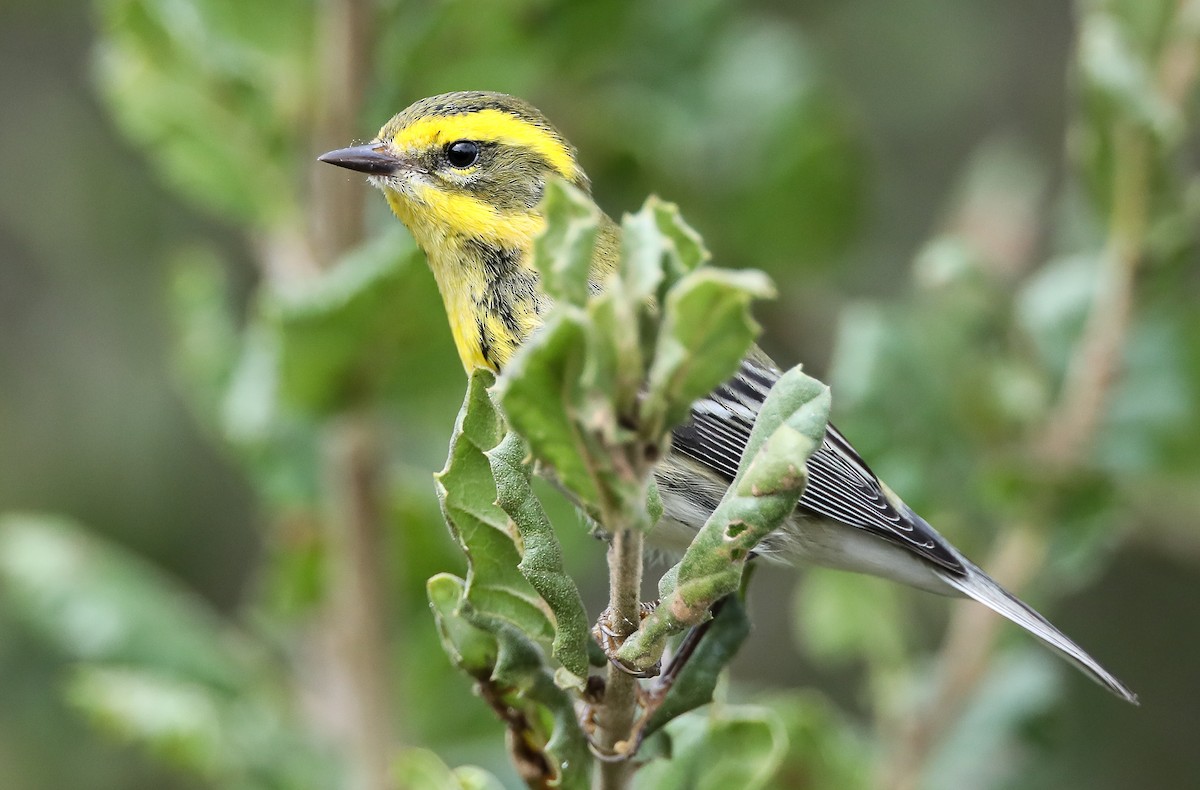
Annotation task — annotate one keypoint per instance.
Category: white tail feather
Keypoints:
(978, 585)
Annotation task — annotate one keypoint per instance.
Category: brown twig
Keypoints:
(615, 717)
(335, 220)
(355, 699)
(1096, 361)
(527, 752)
(357, 614)
(962, 662)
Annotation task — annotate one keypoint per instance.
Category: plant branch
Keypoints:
(962, 661)
(353, 463)
(1096, 361)
(357, 619)
(615, 717)
(344, 52)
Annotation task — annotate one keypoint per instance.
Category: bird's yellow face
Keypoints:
(465, 173)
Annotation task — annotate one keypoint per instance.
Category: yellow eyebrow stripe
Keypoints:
(489, 126)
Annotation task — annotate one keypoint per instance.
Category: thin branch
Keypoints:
(344, 53)
(967, 648)
(357, 615)
(962, 662)
(614, 719)
(357, 697)
(1096, 362)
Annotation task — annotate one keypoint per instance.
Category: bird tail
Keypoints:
(978, 585)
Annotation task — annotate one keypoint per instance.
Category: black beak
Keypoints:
(371, 158)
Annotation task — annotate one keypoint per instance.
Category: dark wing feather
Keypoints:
(840, 486)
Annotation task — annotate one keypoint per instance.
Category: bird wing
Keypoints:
(840, 485)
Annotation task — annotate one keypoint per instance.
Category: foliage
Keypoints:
(949, 383)
(594, 394)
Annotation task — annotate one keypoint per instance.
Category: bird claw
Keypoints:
(610, 639)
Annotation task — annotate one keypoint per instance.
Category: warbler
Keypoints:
(465, 172)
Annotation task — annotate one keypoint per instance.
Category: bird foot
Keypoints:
(610, 637)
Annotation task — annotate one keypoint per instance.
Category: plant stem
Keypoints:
(1096, 361)
(615, 718)
(359, 688)
(357, 620)
(962, 662)
(344, 52)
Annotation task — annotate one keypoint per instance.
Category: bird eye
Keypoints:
(462, 153)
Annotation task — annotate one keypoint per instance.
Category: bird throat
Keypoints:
(491, 296)
(488, 283)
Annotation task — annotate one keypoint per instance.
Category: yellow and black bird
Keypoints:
(465, 172)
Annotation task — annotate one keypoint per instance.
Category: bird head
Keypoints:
(466, 164)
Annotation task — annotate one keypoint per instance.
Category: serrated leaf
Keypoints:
(706, 331)
(685, 250)
(562, 254)
(471, 649)
(643, 248)
(509, 667)
(494, 585)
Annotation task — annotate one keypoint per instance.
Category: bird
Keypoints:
(465, 172)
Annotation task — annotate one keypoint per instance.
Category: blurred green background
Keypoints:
(929, 183)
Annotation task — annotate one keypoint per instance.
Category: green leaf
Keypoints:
(706, 331)
(844, 617)
(511, 674)
(421, 768)
(1113, 67)
(99, 603)
(467, 492)
(685, 249)
(240, 742)
(823, 746)
(471, 649)
(176, 720)
(216, 93)
(740, 747)
(770, 479)
(155, 665)
(541, 555)
(340, 338)
(539, 392)
(488, 623)
(697, 681)
(562, 254)
(643, 248)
